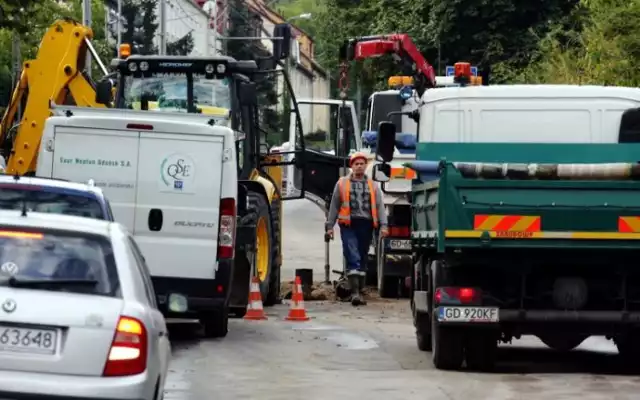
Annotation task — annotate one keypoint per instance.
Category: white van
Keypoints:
(170, 179)
(525, 113)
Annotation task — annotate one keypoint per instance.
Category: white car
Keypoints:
(78, 315)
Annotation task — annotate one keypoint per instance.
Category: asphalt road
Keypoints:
(370, 353)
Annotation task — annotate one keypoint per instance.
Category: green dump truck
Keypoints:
(524, 239)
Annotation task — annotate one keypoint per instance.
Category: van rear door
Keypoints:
(177, 206)
(109, 157)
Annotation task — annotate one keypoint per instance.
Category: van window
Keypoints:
(630, 126)
(53, 201)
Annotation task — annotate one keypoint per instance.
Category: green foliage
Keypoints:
(605, 52)
(141, 27)
(182, 46)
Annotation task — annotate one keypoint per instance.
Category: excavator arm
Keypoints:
(398, 44)
(56, 74)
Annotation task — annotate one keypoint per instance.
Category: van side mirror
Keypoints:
(382, 172)
(247, 94)
(386, 141)
(104, 94)
(281, 46)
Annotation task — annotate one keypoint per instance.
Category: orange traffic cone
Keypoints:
(255, 311)
(297, 312)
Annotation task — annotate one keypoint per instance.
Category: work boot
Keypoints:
(354, 285)
(361, 286)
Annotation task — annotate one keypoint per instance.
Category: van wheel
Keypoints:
(216, 323)
(264, 243)
(273, 296)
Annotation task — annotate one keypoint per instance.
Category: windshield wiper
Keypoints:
(27, 282)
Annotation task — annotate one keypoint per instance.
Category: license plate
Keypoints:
(28, 340)
(396, 244)
(468, 314)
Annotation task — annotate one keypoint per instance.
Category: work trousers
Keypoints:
(356, 239)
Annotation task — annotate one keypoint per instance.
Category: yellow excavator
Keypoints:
(57, 74)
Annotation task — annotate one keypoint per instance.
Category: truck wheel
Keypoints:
(628, 347)
(481, 349)
(423, 330)
(387, 285)
(273, 296)
(447, 346)
(216, 323)
(264, 242)
(562, 342)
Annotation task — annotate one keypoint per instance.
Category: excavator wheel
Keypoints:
(264, 241)
(273, 297)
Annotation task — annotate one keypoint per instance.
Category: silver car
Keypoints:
(78, 314)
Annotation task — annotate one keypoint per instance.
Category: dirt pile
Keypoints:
(320, 291)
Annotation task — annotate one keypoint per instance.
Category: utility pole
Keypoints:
(163, 27)
(16, 57)
(86, 21)
(119, 27)
(211, 8)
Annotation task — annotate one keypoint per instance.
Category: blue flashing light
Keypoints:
(406, 92)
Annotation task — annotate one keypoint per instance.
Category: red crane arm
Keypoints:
(395, 43)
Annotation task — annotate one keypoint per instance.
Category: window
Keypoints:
(169, 92)
(295, 52)
(42, 259)
(53, 201)
(630, 126)
(144, 272)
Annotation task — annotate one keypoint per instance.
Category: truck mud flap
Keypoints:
(420, 301)
(398, 265)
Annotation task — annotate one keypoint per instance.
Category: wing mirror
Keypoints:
(382, 172)
(104, 92)
(386, 141)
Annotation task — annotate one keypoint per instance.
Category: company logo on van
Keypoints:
(177, 172)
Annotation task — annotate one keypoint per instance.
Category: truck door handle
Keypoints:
(155, 219)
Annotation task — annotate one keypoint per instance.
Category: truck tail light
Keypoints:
(457, 295)
(128, 353)
(227, 230)
(399, 231)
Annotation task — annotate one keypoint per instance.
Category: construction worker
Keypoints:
(358, 207)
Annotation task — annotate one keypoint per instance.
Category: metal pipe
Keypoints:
(95, 56)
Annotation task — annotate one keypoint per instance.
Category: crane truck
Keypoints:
(220, 90)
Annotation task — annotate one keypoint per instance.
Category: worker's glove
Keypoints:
(328, 235)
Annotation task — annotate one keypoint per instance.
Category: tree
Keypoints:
(243, 23)
(141, 28)
(182, 46)
(604, 52)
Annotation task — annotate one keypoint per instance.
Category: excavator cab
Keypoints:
(218, 86)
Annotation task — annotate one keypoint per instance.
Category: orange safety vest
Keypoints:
(344, 215)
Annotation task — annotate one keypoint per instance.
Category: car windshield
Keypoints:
(50, 201)
(51, 260)
(168, 92)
